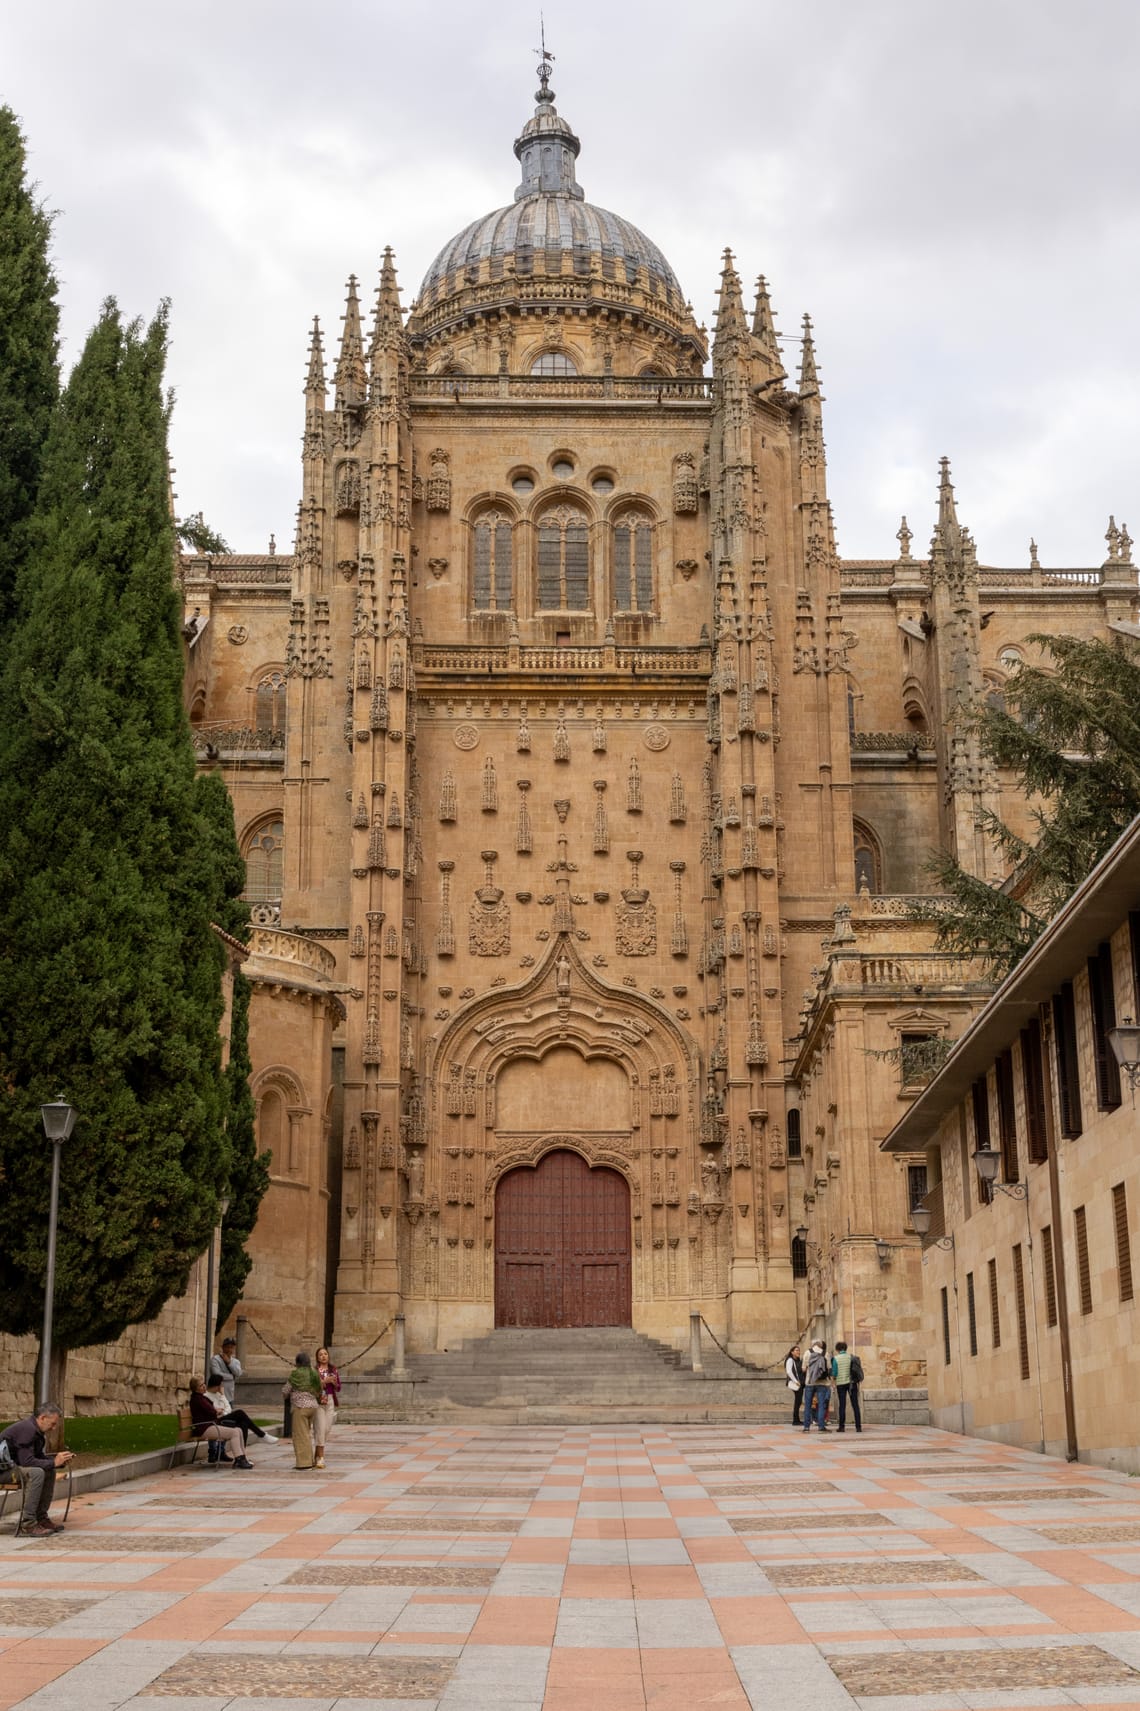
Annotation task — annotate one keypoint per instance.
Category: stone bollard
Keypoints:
(399, 1370)
(240, 1334)
(695, 1342)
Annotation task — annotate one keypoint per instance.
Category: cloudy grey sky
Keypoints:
(952, 191)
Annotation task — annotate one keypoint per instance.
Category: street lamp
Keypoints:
(58, 1121)
(920, 1218)
(223, 1208)
(1125, 1042)
(986, 1161)
(883, 1251)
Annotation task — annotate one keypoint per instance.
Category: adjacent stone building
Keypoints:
(1030, 1314)
(583, 788)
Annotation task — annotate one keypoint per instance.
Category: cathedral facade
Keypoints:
(583, 791)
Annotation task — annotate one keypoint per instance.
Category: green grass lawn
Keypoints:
(120, 1434)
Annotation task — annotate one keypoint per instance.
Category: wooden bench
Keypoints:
(186, 1436)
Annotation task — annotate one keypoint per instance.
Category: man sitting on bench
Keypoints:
(36, 1469)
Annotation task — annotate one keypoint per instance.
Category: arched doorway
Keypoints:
(562, 1245)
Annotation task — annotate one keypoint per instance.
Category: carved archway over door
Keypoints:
(562, 1245)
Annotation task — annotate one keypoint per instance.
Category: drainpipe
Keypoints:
(1072, 1448)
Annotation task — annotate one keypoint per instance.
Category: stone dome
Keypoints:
(550, 229)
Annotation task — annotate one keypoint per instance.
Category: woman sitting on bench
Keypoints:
(204, 1423)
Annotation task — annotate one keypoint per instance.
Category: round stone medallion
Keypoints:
(466, 736)
(656, 737)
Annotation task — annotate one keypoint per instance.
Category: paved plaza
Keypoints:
(588, 1569)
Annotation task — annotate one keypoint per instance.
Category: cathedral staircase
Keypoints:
(561, 1377)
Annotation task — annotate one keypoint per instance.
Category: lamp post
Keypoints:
(986, 1161)
(58, 1121)
(920, 1218)
(223, 1208)
(1125, 1042)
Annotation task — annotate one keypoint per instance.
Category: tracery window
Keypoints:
(563, 581)
(633, 562)
(555, 363)
(868, 861)
(264, 854)
(270, 703)
(492, 580)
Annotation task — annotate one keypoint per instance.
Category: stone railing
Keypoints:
(273, 568)
(543, 659)
(648, 389)
(272, 949)
(901, 905)
(932, 970)
(891, 742)
(220, 735)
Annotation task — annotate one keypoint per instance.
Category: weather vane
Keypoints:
(545, 59)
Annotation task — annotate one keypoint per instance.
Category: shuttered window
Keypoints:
(980, 1101)
(1050, 1275)
(1033, 1081)
(1104, 1018)
(1007, 1117)
(564, 560)
(1019, 1299)
(633, 564)
(946, 1326)
(995, 1307)
(491, 579)
(1084, 1276)
(1123, 1245)
(1068, 1071)
(971, 1313)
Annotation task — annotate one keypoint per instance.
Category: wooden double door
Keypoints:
(562, 1245)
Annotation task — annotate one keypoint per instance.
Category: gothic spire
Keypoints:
(809, 377)
(731, 322)
(351, 378)
(763, 322)
(315, 380)
(388, 324)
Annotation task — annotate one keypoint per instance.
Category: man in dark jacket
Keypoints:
(36, 1469)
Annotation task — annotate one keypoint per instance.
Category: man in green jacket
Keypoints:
(847, 1386)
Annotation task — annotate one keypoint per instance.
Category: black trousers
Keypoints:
(852, 1391)
(797, 1404)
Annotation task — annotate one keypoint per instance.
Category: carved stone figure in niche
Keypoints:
(684, 484)
(489, 918)
(348, 487)
(437, 488)
(562, 974)
(415, 1173)
(710, 1178)
(636, 917)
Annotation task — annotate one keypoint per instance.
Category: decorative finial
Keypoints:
(1034, 562)
(904, 537)
(545, 64)
(1112, 536)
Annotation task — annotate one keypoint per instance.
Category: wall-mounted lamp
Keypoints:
(920, 1218)
(883, 1250)
(986, 1161)
(1125, 1042)
(800, 1232)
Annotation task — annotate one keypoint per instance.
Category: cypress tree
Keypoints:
(110, 875)
(29, 352)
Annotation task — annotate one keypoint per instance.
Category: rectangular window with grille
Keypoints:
(799, 1256)
(1050, 1275)
(1007, 1117)
(1123, 1244)
(946, 1326)
(577, 568)
(971, 1313)
(1084, 1275)
(995, 1306)
(1103, 1001)
(1033, 1082)
(623, 545)
(795, 1141)
(1019, 1300)
(1068, 1070)
(1134, 942)
(916, 1185)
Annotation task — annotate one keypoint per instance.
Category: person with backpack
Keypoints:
(847, 1371)
(817, 1390)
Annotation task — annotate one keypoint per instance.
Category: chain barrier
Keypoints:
(288, 1360)
(749, 1366)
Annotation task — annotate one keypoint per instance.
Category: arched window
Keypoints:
(799, 1256)
(491, 565)
(264, 862)
(633, 562)
(563, 582)
(270, 704)
(868, 861)
(555, 363)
